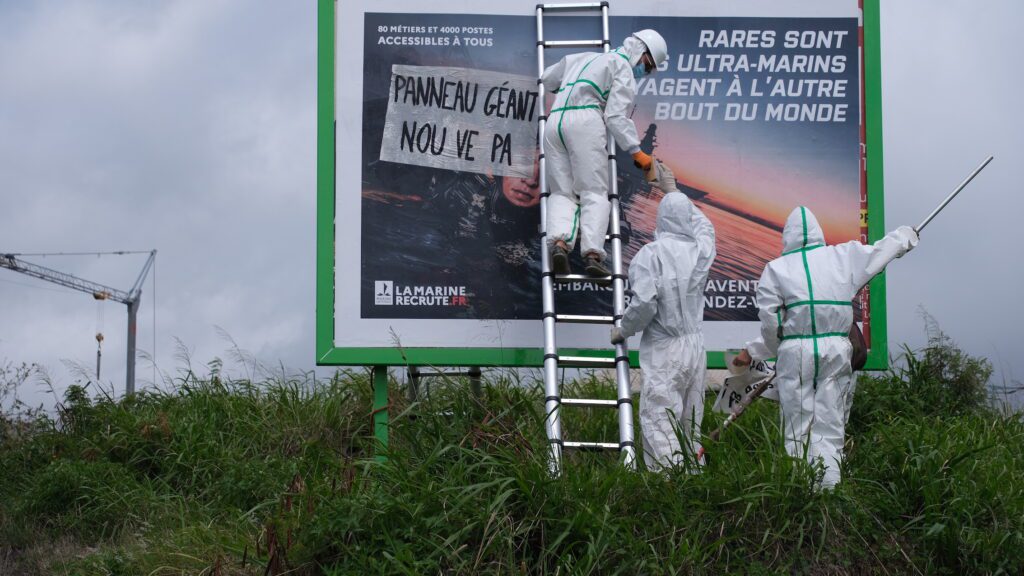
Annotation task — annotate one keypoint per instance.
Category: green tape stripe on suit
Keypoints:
(810, 294)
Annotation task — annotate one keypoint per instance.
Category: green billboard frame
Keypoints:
(328, 354)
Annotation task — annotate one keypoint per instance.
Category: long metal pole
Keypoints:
(949, 198)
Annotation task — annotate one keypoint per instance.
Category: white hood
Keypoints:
(675, 217)
(801, 230)
(633, 48)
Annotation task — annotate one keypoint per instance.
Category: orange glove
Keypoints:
(642, 161)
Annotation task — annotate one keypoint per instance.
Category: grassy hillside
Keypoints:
(238, 477)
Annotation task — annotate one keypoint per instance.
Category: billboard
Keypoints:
(428, 245)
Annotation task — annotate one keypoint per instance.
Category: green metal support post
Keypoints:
(380, 410)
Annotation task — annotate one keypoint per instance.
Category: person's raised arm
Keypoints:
(644, 276)
(616, 111)
(704, 234)
(552, 76)
(864, 261)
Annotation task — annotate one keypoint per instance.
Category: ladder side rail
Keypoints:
(552, 393)
(626, 428)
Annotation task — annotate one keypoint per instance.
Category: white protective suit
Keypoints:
(667, 278)
(809, 292)
(595, 92)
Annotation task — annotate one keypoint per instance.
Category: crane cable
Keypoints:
(100, 299)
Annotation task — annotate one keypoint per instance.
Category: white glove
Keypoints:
(665, 179)
(908, 239)
(894, 245)
(617, 336)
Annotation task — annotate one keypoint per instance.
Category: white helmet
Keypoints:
(655, 44)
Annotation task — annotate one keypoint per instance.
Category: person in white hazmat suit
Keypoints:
(594, 94)
(667, 277)
(805, 306)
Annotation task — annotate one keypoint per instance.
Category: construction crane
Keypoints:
(131, 298)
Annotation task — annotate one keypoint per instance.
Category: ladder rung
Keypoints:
(566, 278)
(573, 43)
(590, 403)
(578, 319)
(564, 7)
(593, 446)
(586, 362)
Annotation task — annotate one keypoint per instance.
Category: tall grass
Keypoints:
(225, 476)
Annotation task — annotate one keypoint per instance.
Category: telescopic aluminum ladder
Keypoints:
(553, 401)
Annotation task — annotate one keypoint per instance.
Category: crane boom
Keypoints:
(98, 291)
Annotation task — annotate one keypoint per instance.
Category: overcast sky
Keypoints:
(190, 127)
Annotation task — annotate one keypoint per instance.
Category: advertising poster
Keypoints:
(756, 111)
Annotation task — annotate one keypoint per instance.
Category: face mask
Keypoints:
(639, 71)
